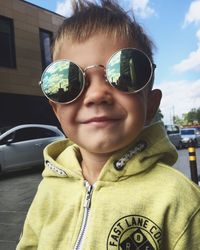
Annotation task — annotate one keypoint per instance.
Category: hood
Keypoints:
(150, 147)
(187, 137)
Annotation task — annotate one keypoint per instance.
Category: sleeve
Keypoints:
(28, 238)
(190, 238)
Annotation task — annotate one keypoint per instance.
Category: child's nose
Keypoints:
(98, 90)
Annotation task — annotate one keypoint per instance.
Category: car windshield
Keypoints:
(188, 132)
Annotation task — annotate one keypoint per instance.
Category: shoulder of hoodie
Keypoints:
(184, 194)
(177, 183)
(173, 187)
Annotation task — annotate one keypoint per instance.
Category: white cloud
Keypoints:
(64, 8)
(192, 62)
(142, 8)
(179, 97)
(198, 37)
(193, 14)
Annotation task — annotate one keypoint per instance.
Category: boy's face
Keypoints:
(103, 119)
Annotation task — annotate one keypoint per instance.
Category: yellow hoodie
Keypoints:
(138, 202)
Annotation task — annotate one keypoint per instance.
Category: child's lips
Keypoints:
(102, 120)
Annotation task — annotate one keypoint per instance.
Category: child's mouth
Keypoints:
(102, 121)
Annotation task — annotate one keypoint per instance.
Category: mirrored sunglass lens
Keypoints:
(129, 70)
(62, 81)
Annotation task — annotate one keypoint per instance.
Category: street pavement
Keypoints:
(183, 164)
(17, 190)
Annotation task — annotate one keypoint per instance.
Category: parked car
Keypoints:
(173, 132)
(188, 134)
(22, 146)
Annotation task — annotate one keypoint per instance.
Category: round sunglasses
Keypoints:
(129, 70)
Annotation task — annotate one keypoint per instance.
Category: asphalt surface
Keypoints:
(17, 190)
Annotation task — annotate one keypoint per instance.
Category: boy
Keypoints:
(109, 187)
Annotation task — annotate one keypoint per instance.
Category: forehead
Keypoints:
(101, 44)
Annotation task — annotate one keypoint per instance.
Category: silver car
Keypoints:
(22, 146)
(190, 134)
(173, 132)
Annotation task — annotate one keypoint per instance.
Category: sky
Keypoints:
(174, 26)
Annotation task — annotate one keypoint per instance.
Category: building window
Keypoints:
(7, 43)
(45, 44)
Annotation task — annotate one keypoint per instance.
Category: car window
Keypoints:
(168, 129)
(44, 133)
(32, 134)
(172, 129)
(7, 138)
(187, 132)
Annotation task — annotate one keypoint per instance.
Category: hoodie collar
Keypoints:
(62, 157)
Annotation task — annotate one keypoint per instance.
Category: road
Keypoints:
(183, 161)
(17, 191)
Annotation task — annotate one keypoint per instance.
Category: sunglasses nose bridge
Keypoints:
(93, 66)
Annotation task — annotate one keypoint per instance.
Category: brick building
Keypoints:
(26, 31)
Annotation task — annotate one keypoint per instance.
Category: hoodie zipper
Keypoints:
(87, 202)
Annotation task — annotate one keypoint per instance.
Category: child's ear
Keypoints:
(153, 102)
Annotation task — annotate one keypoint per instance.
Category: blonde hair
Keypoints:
(106, 17)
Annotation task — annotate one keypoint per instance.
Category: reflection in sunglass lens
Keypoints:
(62, 81)
(129, 70)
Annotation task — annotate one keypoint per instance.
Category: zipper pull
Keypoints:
(88, 195)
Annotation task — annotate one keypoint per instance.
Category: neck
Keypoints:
(92, 165)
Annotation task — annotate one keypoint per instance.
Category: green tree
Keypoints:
(193, 116)
(198, 115)
(178, 121)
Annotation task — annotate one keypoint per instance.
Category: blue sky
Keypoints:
(174, 26)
